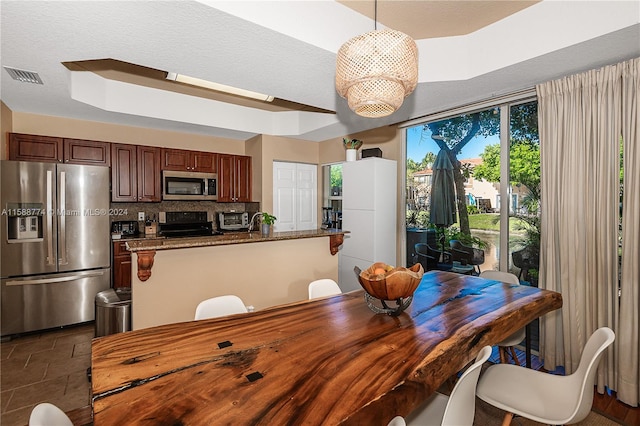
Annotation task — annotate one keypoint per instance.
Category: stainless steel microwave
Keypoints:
(189, 186)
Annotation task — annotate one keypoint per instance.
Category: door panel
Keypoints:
(91, 153)
(295, 196)
(25, 193)
(124, 178)
(225, 177)
(307, 197)
(30, 304)
(361, 242)
(284, 184)
(83, 223)
(149, 187)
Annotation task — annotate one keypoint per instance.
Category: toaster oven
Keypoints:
(233, 221)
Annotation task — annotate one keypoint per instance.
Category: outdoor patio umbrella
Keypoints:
(443, 192)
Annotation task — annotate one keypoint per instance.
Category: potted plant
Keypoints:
(267, 220)
(352, 146)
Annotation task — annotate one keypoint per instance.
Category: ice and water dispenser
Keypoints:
(24, 223)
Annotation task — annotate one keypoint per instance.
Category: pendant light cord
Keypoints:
(375, 15)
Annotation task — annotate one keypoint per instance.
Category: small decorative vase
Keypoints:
(352, 154)
(266, 229)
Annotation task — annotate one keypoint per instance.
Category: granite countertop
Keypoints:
(135, 245)
(138, 237)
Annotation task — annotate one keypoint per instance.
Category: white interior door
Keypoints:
(295, 198)
(284, 187)
(307, 197)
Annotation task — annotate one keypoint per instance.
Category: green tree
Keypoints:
(453, 134)
(336, 175)
(524, 165)
(428, 160)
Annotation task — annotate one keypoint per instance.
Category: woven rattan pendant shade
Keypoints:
(375, 71)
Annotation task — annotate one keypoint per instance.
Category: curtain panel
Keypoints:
(629, 328)
(581, 124)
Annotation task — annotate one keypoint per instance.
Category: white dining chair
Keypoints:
(323, 287)
(46, 414)
(517, 337)
(456, 410)
(220, 306)
(544, 397)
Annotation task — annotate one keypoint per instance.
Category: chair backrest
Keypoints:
(461, 407)
(585, 375)
(219, 307)
(45, 414)
(323, 287)
(505, 277)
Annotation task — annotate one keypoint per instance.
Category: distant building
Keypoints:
(478, 192)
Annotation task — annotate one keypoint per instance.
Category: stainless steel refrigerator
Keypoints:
(55, 244)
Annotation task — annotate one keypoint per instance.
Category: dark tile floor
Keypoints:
(45, 367)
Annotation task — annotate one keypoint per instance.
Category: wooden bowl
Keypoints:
(395, 283)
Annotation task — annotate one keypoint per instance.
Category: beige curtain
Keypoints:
(580, 120)
(628, 330)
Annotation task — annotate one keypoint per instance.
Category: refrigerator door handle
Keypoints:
(62, 233)
(56, 279)
(49, 216)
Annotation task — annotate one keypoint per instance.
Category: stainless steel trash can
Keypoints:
(113, 311)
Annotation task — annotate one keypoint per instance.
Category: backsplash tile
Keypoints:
(129, 211)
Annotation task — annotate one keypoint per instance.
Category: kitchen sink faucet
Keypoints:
(252, 220)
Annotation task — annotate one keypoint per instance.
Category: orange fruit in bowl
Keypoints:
(379, 271)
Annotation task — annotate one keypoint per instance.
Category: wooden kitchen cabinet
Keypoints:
(135, 173)
(149, 185)
(35, 148)
(234, 178)
(121, 265)
(192, 161)
(24, 147)
(95, 153)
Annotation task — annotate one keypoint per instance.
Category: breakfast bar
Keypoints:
(171, 276)
(325, 361)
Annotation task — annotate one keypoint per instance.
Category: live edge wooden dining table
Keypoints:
(320, 362)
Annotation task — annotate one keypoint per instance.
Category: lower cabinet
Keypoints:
(121, 265)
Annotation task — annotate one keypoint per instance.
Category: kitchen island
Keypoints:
(171, 276)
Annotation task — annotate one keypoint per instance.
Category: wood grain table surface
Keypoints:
(322, 362)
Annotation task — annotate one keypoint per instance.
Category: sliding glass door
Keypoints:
(496, 181)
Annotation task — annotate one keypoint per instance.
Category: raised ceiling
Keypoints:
(469, 51)
(431, 19)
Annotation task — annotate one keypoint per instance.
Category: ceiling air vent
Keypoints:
(24, 76)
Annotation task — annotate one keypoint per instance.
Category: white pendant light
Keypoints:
(375, 71)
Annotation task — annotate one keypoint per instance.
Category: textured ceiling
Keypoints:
(430, 19)
(469, 51)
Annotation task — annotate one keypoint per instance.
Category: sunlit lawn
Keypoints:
(490, 222)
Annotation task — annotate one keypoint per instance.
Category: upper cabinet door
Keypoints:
(135, 173)
(206, 162)
(49, 149)
(91, 153)
(149, 186)
(191, 161)
(35, 148)
(225, 178)
(242, 179)
(175, 159)
(124, 176)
